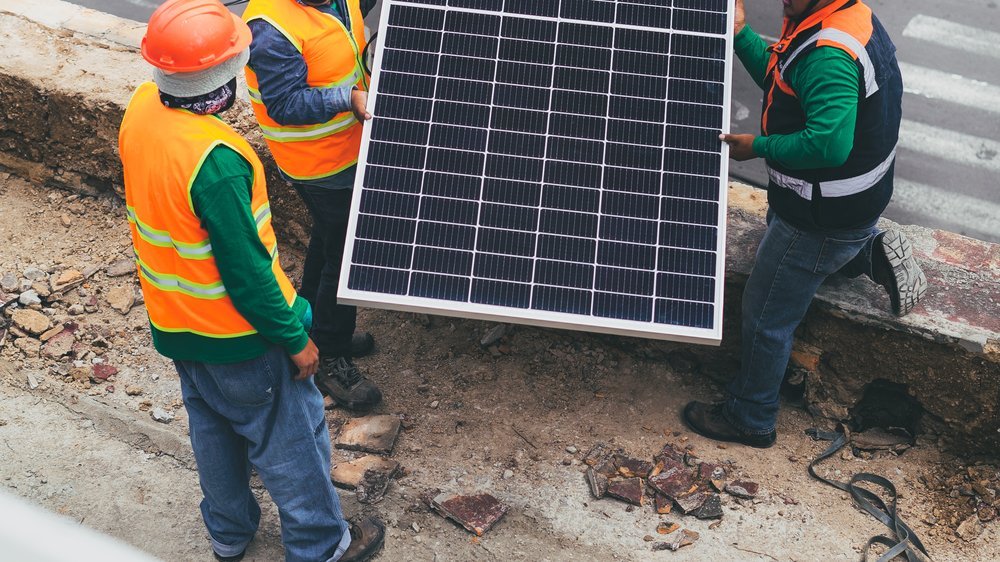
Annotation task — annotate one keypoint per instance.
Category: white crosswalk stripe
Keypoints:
(965, 213)
(953, 146)
(951, 88)
(954, 35)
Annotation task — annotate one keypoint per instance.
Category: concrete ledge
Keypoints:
(66, 74)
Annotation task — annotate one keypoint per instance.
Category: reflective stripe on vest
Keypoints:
(850, 43)
(834, 188)
(193, 251)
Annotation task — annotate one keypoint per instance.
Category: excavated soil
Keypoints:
(513, 419)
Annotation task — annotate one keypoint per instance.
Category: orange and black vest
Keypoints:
(332, 54)
(162, 150)
(856, 193)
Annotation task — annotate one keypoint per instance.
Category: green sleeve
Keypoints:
(753, 53)
(221, 195)
(827, 82)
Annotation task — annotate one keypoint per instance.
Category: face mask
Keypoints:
(214, 102)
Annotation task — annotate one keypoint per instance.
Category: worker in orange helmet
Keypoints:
(219, 303)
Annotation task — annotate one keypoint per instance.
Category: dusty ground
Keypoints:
(91, 451)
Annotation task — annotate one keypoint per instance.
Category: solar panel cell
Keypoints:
(498, 293)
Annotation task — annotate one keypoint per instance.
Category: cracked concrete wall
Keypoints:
(67, 72)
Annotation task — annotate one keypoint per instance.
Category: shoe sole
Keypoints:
(910, 281)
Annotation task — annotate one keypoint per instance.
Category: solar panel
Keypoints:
(549, 162)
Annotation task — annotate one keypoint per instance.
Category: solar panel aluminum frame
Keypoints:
(560, 320)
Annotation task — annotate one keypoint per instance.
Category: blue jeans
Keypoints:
(254, 414)
(790, 266)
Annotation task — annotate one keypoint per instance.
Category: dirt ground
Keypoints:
(514, 419)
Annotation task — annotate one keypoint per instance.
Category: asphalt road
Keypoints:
(949, 155)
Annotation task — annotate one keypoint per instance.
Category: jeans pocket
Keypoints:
(838, 251)
(248, 383)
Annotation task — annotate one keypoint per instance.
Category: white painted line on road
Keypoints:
(954, 35)
(961, 210)
(950, 145)
(948, 87)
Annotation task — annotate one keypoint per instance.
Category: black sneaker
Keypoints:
(367, 537)
(341, 379)
(235, 558)
(895, 268)
(707, 420)
(362, 343)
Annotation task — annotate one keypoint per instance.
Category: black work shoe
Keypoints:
(367, 537)
(707, 420)
(362, 343)
(235, 558)
(343, 382)
(895, 268)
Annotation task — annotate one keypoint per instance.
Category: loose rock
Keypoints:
(29, 346)
(67, 279)
(970, 528)
(161, 415)
(372, 434)
(121, 268)
(121, 298)
(34, 274)
(29, 298)
(494, 335)
(103, 371)
(133, 390)
(59, 345)
(9, 282)
(477, 513)
(743, 489)
(31, 321)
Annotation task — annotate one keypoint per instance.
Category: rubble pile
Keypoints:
(55, 329)
(675, 478)
(970, 501)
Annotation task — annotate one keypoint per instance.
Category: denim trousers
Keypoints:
(254, 414)
(333, 323)
(790, 266)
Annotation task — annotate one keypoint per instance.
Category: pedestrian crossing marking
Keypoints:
(950, 145)
(952, 88)
(953, 35)
(962, 212)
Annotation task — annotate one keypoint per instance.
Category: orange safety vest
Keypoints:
(162, 150)
(332, 54)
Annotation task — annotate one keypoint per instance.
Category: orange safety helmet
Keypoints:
(192, 35)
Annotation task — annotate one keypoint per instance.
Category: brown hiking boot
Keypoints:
(342, 381)
(709, 421)
(367, 537)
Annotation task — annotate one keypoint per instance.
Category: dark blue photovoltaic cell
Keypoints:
(554, 155)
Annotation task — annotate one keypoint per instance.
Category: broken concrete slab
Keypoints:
(58, 345)
(674, 482)
(67, 280)
(348, 475)
(478, 513)
(743, 489)
(710, 509)
(630, 490)
(633, 468)
(597, 455)
(371, 434)
(691, 503)
(598, 483)
(664, 505)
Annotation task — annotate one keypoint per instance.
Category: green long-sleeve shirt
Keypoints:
(221, 194)
(826, 81)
